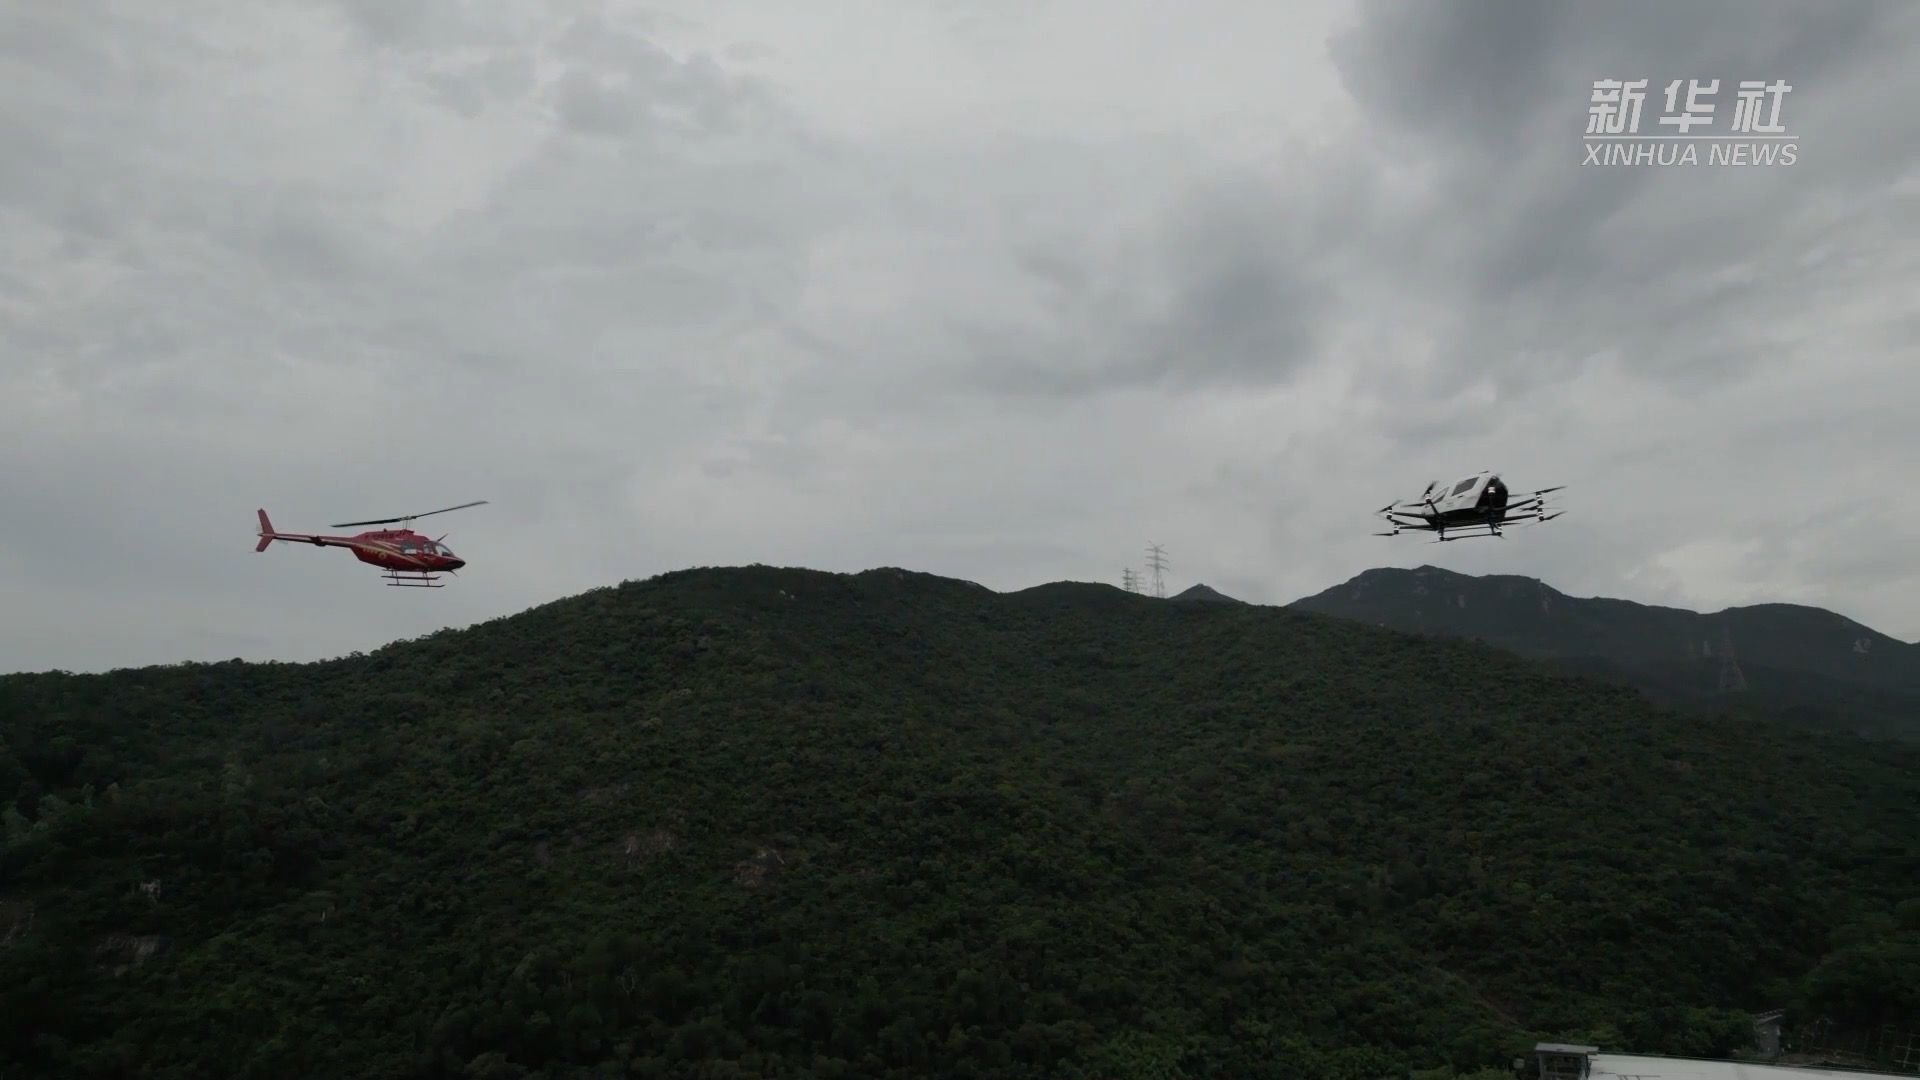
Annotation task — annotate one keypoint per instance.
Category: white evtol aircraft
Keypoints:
(1478, 501)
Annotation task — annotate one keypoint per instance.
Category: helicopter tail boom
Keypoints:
(268, 534)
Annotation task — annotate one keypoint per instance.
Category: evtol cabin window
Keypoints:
(1464, 485)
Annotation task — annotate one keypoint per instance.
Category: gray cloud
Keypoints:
(931, 287)
(1675, 271)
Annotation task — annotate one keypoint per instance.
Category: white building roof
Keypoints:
(1635, 1067)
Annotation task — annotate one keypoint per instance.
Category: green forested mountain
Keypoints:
(779, 823)
(1784, 661)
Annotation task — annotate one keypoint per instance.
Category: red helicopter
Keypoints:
(407, 557)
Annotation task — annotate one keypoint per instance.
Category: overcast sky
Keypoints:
(995, 289)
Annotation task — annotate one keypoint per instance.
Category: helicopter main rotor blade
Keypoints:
(409, 517)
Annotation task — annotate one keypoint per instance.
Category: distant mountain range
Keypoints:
(1804, 664)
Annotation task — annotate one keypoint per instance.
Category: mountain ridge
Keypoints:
(1446, 574)
(1204, 594)
(1799, 661)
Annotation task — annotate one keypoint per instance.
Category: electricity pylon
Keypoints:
(1157, 561)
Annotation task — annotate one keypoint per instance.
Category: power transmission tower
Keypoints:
(1157, 561)
(1129, 580)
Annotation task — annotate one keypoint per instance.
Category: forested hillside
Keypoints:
(760, 822)
(1805, 665)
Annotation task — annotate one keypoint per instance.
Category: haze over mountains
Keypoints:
(1789, 661)
(757, 822)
